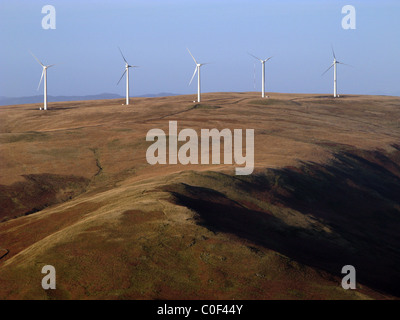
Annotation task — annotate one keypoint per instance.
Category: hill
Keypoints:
(7, 101)
(78, 193)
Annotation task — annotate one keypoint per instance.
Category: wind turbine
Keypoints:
(263, 73)
(127, 66)
(197, 69)
(44, 74)
(334, 65)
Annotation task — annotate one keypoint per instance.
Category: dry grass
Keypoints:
(174, 231)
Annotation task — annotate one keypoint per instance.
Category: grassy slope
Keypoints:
(322, 196)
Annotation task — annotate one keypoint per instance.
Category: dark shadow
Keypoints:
(341, 96)
(37, 192)
(357, 196)
(3, 253)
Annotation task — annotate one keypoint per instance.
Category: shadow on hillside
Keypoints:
(37, 192)
(357, 196)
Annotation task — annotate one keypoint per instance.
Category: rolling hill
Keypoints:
(4, 101)
(77, 192)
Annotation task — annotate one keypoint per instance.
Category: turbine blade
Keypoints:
(122, 55)
(327, 69)
(254, 57)
(37, 59)
(192, 56)
(333, 52)
(195, 70)
(267, 59)
(40, 82)
(50, 66)
(121, 77)
(349, 65)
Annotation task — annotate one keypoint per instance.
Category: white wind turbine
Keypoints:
(263, 73)
(44, 74)
(197, 69)
(335, 62)
(127, 66)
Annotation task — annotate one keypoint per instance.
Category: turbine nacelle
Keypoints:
(127, 66)
(261, 60)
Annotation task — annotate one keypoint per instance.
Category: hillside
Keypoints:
(4, 101)
(76, 192)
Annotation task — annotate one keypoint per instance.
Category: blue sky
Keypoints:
(155, 34)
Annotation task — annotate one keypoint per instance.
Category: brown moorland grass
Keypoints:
(324, 193)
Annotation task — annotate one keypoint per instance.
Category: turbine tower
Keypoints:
(44, 74)
(334, 65)
(263, 73)
(197, 69)
(127, 66)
